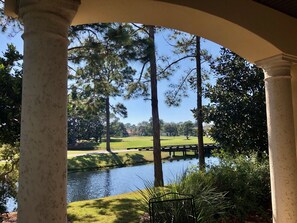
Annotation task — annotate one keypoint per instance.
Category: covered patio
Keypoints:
(262, 31)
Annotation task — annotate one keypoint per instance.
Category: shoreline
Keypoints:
(112, 166)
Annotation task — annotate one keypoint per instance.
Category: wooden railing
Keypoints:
(178, 148)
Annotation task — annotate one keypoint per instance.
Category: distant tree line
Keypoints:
(144, 128)
(80, 129)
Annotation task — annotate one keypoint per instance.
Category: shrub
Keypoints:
(247, 183)
(150, 192)
(83, 145)
(209, 204)
(235, 190)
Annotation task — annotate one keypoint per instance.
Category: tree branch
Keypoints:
(176, 61)
(13, 165)
(183, 81)
(141, 28)
(141, 72)
(78, 47)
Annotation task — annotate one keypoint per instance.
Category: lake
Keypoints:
(102, 183)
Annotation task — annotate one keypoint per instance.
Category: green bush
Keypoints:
(238, 188)
(235, 190)
(83, 145)
(247, 183)
(210, 205)
(150, 192)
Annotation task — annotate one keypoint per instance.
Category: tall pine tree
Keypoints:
(102, 53)
(148, 79)
(188, 48)
(155, 110)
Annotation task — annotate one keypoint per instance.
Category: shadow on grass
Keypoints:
(85, 218)
(123, 210)
(114, 140)
(104, 160)
(134, 159)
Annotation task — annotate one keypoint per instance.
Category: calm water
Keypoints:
(102, 183)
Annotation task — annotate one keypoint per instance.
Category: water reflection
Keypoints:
(107, 183)
(102, 183)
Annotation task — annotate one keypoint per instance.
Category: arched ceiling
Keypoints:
(288, 7)
(247, 27)
(254, 29)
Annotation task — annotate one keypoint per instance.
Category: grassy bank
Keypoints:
(88, 159)
(122, 208)
(103, 160)
(140, 141)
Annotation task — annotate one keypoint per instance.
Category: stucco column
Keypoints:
(43, 158)
(294, 95)
(281, 137)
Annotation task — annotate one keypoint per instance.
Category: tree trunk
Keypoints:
(107, 112)
(155, 111)
(201, 152)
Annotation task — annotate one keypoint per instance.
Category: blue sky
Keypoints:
(139, 109)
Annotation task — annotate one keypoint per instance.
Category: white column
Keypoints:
(43, 158)
(281, 137)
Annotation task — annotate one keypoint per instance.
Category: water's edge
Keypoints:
(92, 184)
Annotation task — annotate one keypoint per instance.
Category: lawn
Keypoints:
(142, 141)
(123, 208)
(88, 159)
(102, 160)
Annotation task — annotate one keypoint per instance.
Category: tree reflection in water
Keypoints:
(102, 183)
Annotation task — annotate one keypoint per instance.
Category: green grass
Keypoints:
(93, 161)
(123, 208)
(102, 160)
(142, 141)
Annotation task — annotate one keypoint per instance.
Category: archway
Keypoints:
(258, 33)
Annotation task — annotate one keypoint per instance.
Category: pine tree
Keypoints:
(102, 54)
(148, 79)
(155, 110)
(187, 47)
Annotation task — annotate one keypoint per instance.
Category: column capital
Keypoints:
(11, 8)
(277, 66)
(47, 17)
(65, 9)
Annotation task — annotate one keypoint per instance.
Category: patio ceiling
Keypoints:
(288, 7)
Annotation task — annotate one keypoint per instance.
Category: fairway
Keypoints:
(144, 141)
